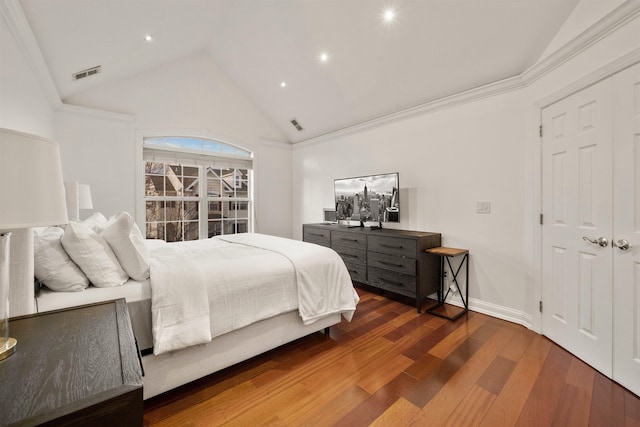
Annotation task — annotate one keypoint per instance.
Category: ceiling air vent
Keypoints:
(86, 73)
(295, 124)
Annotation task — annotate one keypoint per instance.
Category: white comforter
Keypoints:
(205, 288)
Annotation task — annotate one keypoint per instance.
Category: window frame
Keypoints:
(188, 157)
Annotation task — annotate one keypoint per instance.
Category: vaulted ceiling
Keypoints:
(271, 48)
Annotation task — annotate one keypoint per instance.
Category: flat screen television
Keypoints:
(368, 198)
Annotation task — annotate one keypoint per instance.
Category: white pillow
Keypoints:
(152, 244)
(96, 221)
(124, 237)
(52, 265)
(93, 255)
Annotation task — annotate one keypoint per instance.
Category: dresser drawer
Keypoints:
(393, 263)
(398, 283)
(317, 235)
(345, 238)
(358, 272)
(391, 260)
(392, 245)
(352, 255)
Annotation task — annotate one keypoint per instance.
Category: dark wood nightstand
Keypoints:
(77, 366)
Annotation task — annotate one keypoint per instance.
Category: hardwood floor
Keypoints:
(393, 367)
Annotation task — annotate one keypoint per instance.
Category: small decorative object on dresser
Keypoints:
(391, 260)
(73, 367)
(329, 216)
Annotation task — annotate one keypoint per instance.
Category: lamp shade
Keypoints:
(78, 196)
(84, 197)
(31, 185)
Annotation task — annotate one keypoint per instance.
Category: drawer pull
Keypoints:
(316, 234)
(391, 246)
(390, 264)
(391, 282)
(349, 255)
(348, 240)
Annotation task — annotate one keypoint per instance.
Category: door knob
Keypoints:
(622, 244)
(602, 241)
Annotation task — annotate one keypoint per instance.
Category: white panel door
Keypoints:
(577, 204)
(626, 263)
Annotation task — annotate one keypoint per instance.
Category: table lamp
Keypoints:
(84, 197)
(78, 197)
(31, 195)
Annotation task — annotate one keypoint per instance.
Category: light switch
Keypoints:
(483, 207)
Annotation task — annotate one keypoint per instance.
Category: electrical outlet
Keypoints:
(483, 207)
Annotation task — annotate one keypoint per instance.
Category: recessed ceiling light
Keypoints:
(389, 15)
(283, 84)
(324, 57)
(148, 38)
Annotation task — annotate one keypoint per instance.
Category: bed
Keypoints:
(250, 293)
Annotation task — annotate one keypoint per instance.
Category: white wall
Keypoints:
(273, 189)
(191, 97)
(99, 151)
(448, 160)
(23, 104)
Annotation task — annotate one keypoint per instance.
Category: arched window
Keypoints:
(196, 188)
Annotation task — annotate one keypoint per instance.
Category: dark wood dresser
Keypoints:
(72, 367)
(392, 260)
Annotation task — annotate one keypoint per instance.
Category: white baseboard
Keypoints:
(495, 310)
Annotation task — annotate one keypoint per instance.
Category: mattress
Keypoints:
(136, 293)
(207, 288)
(236, 308)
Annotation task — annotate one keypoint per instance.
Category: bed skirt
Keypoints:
(170, 370)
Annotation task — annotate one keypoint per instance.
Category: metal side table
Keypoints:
(440, 309)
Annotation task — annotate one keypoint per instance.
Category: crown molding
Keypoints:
(601, 73)
(92, 112)
(467, 96)
(275, 144)
(617, 18)
(21, 30)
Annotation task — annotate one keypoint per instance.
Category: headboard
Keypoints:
(21, 275)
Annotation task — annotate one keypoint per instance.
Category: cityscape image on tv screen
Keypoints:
(368, 198)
